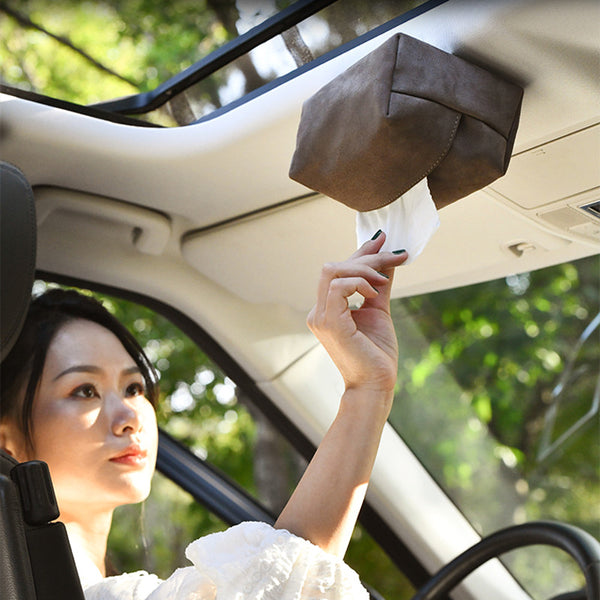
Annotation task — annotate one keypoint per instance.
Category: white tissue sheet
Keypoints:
(408, 222)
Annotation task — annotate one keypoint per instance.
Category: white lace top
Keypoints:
(251, 561)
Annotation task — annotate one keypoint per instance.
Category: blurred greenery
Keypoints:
(478, 365)
(478, 374)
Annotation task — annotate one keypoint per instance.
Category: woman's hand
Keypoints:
(361, 342)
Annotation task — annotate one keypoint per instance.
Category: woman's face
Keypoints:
(91, 421)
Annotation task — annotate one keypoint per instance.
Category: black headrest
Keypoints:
(17, 253)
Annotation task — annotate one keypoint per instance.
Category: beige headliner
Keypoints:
(236, 164)
(250, 281)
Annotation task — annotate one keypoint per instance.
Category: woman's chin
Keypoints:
(132, 489)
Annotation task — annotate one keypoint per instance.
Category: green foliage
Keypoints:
(153, 535)
(478, 371)
(24, 51)
(87, 52)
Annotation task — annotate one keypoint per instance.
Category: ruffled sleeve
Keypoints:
(254, 560)
(129, 586)
(249, 561)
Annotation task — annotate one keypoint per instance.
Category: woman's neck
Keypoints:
(90, 535)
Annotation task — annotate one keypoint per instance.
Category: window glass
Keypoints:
(498, 396)
(152, 536)
(331, 27)
(89, 52)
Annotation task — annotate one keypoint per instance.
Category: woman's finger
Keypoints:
(372, 246)
(351, 269)
(367, 262)
(335, 315)
(377, 270)
(341, 289)
(335, 300)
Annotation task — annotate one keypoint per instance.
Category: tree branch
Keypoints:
(297, 46)
(26, 22)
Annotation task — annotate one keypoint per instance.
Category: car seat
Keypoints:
(36, 562)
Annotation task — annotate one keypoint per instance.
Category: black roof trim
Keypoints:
(89, 111)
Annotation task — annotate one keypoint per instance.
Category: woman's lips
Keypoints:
(132, 456)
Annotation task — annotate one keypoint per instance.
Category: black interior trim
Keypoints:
(578, 595)
(89, 111)
(396, 549)
(207, 484)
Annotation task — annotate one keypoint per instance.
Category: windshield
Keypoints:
(498, 396)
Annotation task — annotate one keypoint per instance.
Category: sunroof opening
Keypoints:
(593, 209)
(90, 53)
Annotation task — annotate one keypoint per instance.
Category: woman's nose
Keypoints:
(125, 417)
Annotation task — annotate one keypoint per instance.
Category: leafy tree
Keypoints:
(478, 374)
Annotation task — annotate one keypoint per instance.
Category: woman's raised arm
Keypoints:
(362, 343)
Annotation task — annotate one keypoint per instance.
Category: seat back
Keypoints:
(15, 568)
(18, 253)
(36, 562)
(17, 271)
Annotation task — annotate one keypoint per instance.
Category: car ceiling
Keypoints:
(222, 182)
(212, 202)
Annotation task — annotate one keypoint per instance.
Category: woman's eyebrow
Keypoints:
(79, 369)
(94, 369)
(131, 371)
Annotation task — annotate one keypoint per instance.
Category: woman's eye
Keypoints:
(85, 391)
(135, 389)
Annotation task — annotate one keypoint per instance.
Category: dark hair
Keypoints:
(22, 368)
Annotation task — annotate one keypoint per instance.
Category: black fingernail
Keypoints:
(383, 274)
(377, 234)
(374, 288)
(399, 251)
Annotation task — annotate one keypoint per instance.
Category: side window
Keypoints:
(499, 396)
(204, 409)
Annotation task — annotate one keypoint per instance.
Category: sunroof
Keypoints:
(92, 52)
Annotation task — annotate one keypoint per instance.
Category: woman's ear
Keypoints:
(11, 441)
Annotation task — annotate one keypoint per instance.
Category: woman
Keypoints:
(78, 393)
